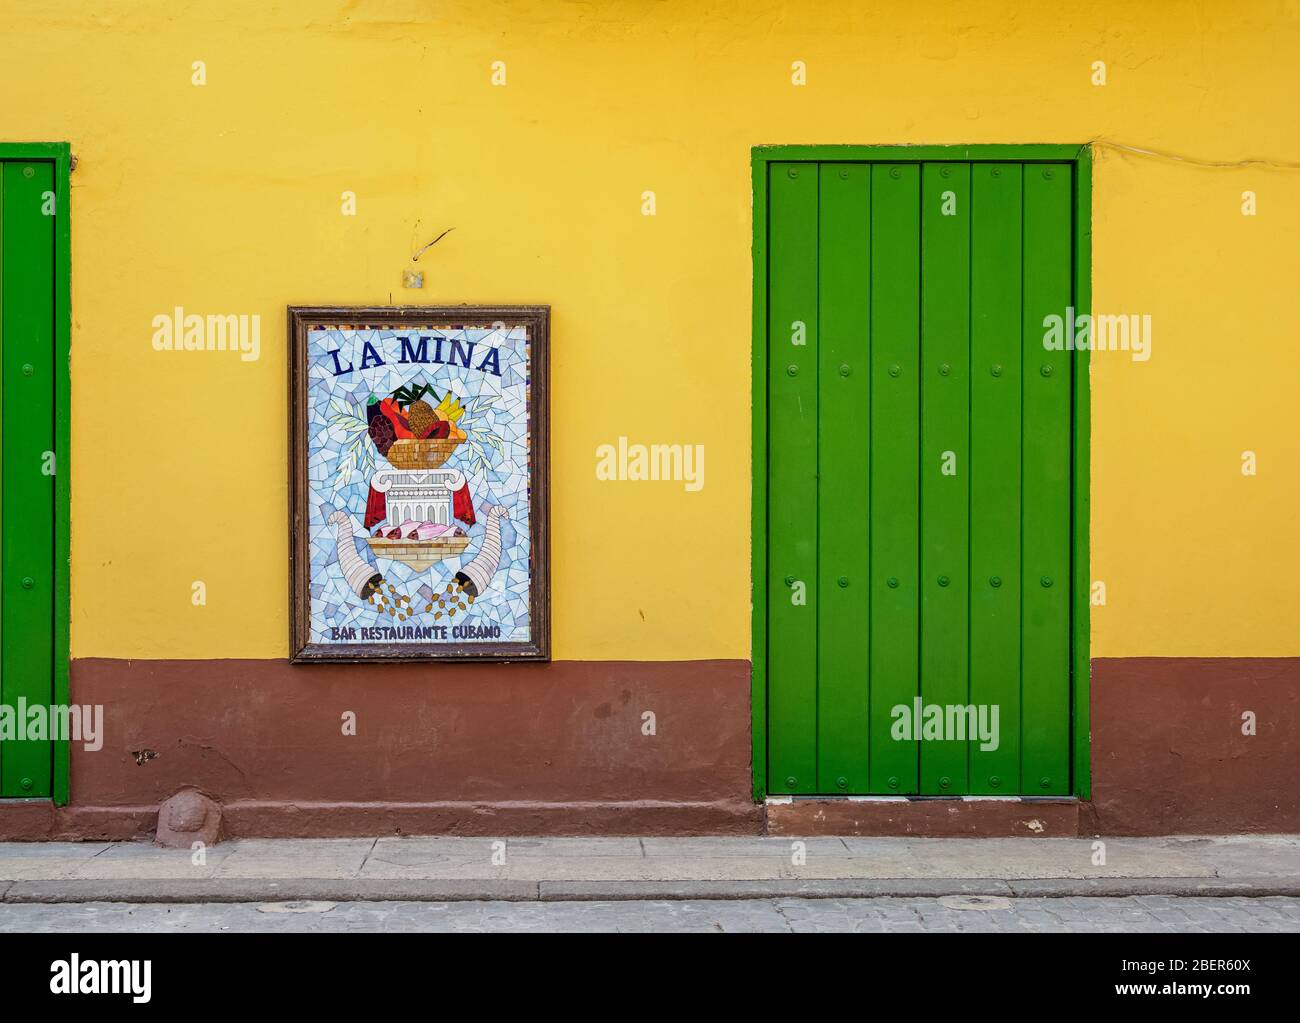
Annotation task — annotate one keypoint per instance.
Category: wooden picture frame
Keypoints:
(351, 610)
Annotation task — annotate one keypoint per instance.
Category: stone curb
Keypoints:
(586, 891)
(291, 889)
(166, 890)
(1206, 887)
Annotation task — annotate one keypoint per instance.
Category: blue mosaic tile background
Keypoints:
(493, 405)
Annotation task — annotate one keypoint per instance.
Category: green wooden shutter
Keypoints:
(27, 510)
(918, 477)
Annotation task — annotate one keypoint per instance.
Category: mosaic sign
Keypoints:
(419, 518)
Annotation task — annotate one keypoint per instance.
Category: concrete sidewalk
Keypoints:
(554, 869)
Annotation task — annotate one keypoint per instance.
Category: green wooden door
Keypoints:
(918, 473)
(27, 475)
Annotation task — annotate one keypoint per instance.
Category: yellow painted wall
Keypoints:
(226, 198)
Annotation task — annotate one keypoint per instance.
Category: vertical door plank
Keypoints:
(844, 399)
(26, 491)
(1045, 586)
(895, 443)
(995, 471)
(945, 467)
(792, 479)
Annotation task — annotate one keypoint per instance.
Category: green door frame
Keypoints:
(59, 154)
(1080, 156)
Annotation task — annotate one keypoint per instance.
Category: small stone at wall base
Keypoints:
(188, 817)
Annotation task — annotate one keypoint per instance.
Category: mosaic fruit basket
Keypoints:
(421, 454)
(419, 554)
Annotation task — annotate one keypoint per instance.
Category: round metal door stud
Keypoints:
(28, 582)
(995, 172)
(1044, 783)
(842, 783)
(893, 783)
(28, 369)
(793, 172)
(944, 370)
(945, 172)
(996, 369)
(843, 581)
(945, 782)
(1048, 173)
(1045, 582)
(789, 580)
(1046, 371)
(792, 369)
(895, 172)
(895, 370)
(844, 369)
(791, 782)
(892, 582)
(995, 581)
(844, 173)
(26, 783)
(994, 781)
(29, 172)
(943, 580)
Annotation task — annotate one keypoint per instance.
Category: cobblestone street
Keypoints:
(894, 915)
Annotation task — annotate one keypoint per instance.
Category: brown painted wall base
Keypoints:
(471, 749)
(550, 749)
(1168, 753)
